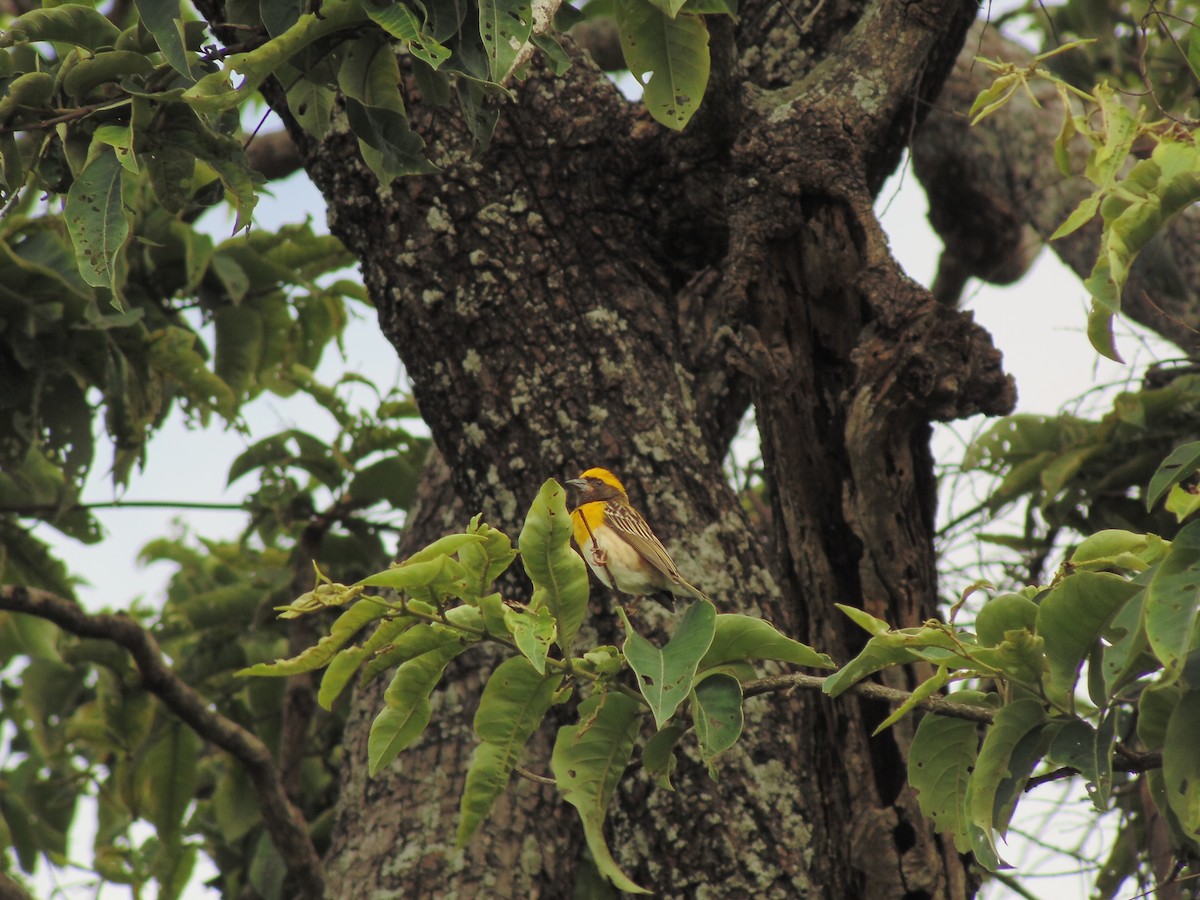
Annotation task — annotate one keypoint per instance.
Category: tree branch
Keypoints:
(285, 824)
(1130, 760)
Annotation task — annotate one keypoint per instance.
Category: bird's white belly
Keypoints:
(632, 573)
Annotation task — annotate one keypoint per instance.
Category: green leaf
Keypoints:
(389, 145)
(1183, 462)
(740, 637)
(658, 756)
(554, 52)
(407, 709)
(1013, 723)
(670, 7)
(69, 23)
(533, 632)
(234, 804)
(1114, 548)
(339, 672)
(588, 762)
(311, 104)
(1155, 707)
(669, 58)
(1193, 52)
(1173, 602)
(1083, 213)
(940, 763)
(348, 624)
(390, 480)
(717, 713)
(488, 559)
(993, 97)
(665, 676)
(105, 68)
(1118, 130)
(504, 26)
(558, 573)
(920, 693)
(414, 576)
(396, 648)
(1071, 618)
(370, 74)
(933, 644)
(1100, 789)
(864, 620)
(215, 92)
(400, 22)
(98, 222)
(240, 345)
(513, 704)
(171, 351)
(1181, 762)
(162, 19)
(1123, 656)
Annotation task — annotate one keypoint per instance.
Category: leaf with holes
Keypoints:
(668, 56)
(665, 676)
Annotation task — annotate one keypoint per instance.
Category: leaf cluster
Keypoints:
(1136, 194)
(1084, 474)
(439, 603)
(1092, 674)
(84, 723)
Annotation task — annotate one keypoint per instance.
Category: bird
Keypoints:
(617, 543)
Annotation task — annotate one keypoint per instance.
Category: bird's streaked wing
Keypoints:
(629, 524)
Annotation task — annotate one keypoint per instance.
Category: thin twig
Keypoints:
(285, 824)
(533, 776)
(941, 706)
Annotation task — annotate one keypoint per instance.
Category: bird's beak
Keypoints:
(577, 483)
(575, 488)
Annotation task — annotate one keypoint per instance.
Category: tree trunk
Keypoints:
(597, 291)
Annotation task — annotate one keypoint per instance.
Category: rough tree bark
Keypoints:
(596, 290)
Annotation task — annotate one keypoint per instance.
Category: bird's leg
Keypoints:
(600, 556)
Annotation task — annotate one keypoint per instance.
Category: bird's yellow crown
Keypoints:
(606, 476)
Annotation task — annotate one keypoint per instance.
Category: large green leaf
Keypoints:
(513, 703)
(740, 637)
(1013, 724)
(665, 676)
(68, 23)
(669, 58)
(407, 710)
(940, 762)
(558, 573)
(1173, 602)
(343, 629)
(588, 762)
(1071, 618)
